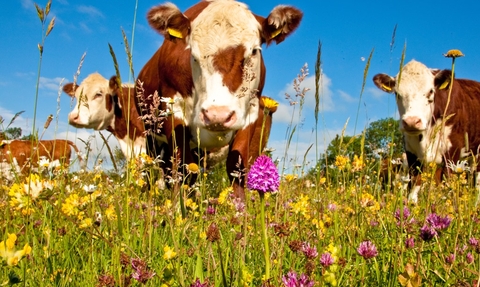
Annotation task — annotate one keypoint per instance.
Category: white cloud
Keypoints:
(90, 11)
(377, 93)
(302, 149)
(53, 84)
(346, 97)
(28, 4)
(285, 112)
(85, 27)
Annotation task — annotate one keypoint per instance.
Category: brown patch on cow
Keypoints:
(230, 62)
(127, 118)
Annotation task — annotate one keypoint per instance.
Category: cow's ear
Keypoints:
(169, 21)
(115, 89)
(281, 22)
(443, 79)
(70, 89)
(384, 82)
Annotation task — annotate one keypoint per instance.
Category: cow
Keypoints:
(209, 73)
(437, 128)
(19, 155)
(107, 105)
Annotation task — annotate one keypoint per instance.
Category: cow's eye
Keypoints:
(98, 95)
(255, 51)
(430, 96)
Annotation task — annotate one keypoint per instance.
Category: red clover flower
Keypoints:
(367, 249)
(291, 280)
(326, 259)
(309, 251)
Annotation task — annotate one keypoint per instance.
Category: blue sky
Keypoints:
(348, 31)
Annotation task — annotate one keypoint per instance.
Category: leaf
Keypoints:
(402, 279)
(40, 13)
(50, 26)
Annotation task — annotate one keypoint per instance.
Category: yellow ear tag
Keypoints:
(386, 88)
(174, 33)
(444, 85)
(2, 143)
(276, 33)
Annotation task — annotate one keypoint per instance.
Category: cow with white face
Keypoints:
(103, 105)
(434, 131)
(211, 66)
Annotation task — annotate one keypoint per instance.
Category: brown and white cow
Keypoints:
(103, 105)
(432, 131)
(211, 67)
(18, 155)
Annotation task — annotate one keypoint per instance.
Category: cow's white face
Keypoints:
(227, 67)
(94, 108)
(414, 88)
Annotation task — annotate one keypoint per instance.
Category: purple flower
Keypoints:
(263, 175)
(197, 283)
(473, 242)
(291, 280)
(210, 210)
(326, 259)
(469, 258)
(450, 259)
(406, 214)
(332, 207)
(141, 274)
(427, 233)
(308, 251)
(438, 222)
(367, 249)
(409, 242)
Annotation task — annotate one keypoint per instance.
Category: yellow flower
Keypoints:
(454, 54)
(193, 168)
(290, 177)
(168, 253)
(87, 222)
(341, 161)
(224, 195)
(269, 103)
(368, 202)
(322, 180)
(301, 206)
(8, 252)
(191, 204)
(357, 164)
(110, 213)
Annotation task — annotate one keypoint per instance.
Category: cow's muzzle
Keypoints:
(218, 118)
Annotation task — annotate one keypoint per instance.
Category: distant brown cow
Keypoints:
(17, 155)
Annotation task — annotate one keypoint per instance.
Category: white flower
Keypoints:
(460, 167)
(89, 188)
(44, 162)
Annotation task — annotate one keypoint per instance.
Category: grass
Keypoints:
(343, 227)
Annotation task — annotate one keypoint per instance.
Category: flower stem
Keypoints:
(264, 236)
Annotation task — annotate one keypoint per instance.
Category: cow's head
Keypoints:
(225, 40)
(414, 88)
(96, 102)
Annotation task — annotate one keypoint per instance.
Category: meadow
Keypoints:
(339, 224)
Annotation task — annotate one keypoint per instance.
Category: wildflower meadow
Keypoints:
(345, 222)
